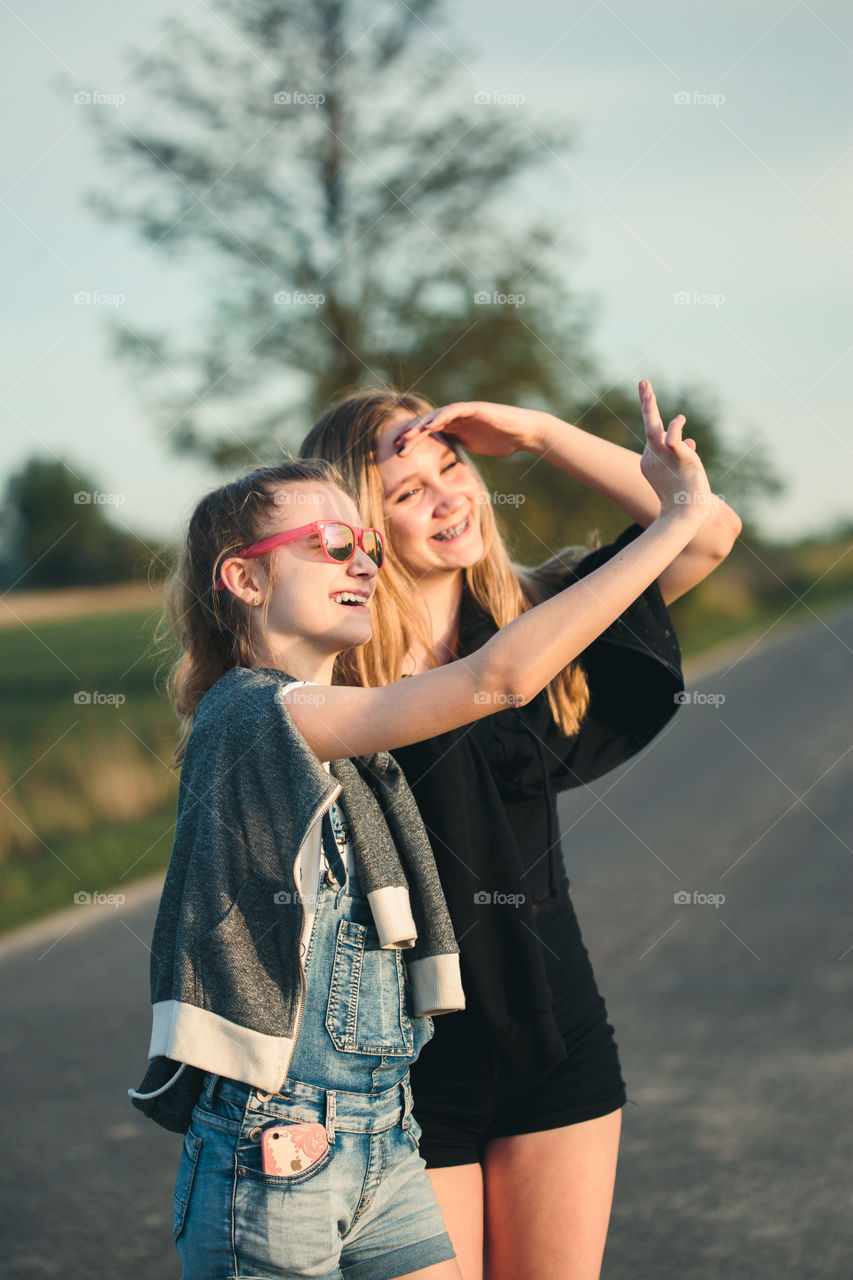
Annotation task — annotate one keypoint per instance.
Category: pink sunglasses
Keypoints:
(338, 542)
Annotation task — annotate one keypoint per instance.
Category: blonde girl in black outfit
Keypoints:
(520, 1096)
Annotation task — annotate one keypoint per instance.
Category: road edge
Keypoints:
(142, 892)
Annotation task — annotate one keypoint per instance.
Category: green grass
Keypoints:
(43, 666)
(701, 626)
(104, 861)
(88, 800)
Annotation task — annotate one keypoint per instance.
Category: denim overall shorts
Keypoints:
(366, 1209)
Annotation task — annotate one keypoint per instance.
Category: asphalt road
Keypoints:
(733, 1017)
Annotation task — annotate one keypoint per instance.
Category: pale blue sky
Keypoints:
(748, 200)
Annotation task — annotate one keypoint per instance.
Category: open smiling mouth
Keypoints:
(447, 535)
(350, 599)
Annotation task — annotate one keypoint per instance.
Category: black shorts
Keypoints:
(462, 1098)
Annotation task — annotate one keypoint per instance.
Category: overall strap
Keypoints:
(330, 849)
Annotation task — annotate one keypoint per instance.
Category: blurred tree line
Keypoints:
(364, 214)
(55, 532)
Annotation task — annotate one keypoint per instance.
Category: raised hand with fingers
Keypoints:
(671, 464)
(482, 427)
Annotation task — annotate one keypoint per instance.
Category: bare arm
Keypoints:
(611, 470)
(340, 721)
(614, 472)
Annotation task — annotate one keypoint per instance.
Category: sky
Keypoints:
(706, 204)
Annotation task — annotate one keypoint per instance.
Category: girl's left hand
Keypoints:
(494, 429)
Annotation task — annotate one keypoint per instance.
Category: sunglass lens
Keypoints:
(373, 547)
(339, 542)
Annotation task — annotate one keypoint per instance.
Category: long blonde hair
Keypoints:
(216, 630)
(347, 435)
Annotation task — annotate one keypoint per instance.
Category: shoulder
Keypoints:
(573, 563)
(245, 713)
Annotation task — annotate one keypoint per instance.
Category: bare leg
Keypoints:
(459, 1191)
(548, 1198)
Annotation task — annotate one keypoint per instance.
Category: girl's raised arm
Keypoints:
(341, 721)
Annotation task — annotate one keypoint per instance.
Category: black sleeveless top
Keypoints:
(487, 796)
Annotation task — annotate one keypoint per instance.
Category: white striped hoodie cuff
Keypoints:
(392, 915)
(436, 983)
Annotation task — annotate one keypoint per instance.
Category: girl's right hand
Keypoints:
(671, 465)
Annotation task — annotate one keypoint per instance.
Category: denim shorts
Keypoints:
(366, 1209)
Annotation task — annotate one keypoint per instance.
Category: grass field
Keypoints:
(88, 799)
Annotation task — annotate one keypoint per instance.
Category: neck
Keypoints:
(298, 659)
(442, 596)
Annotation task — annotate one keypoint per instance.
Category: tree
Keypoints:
(358, 204)
(550, 510)
(325, 155)
(56, 532)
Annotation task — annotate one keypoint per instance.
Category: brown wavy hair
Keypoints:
(215, 630)
(347, 435)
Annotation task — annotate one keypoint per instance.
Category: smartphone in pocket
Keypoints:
(289, 1149)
